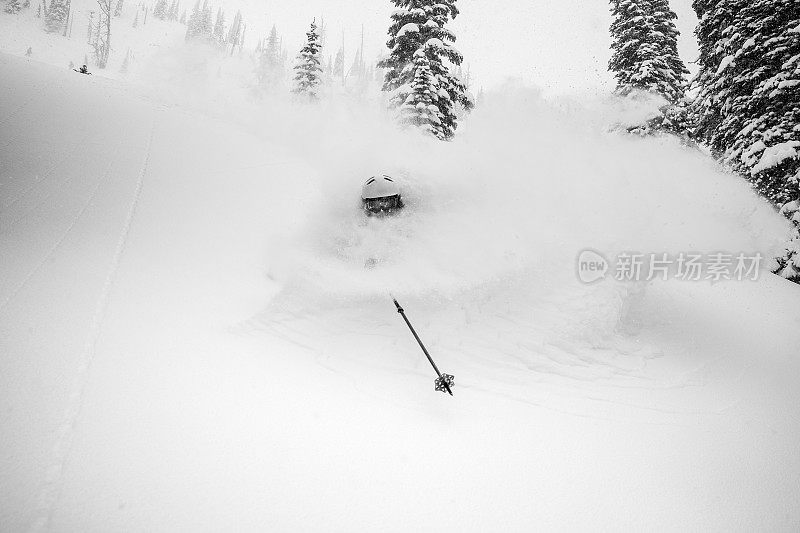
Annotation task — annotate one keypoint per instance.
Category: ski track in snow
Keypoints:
(19, 108)
(50, 492)
(39, 180)
(53, 249)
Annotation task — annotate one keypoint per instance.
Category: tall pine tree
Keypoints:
(235, 35)
(172, 13)
(645, 49)
(205, 25)
(160, 10)
(56, 15)
(270, 65)
(200, 25)
(788, 264)
(419, 108)
(13, 7)
(748, 107)
(219, 27)
(307, 69)
(420, 25)
(193, 25)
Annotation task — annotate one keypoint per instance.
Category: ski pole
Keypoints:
(444, 381)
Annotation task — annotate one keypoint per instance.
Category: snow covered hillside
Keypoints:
(189, 340)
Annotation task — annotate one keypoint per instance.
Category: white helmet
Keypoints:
(380, 186)
(381, 195)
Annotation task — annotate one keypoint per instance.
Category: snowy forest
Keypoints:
(399, 265)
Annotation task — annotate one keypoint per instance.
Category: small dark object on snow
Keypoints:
(83, 70)
(445, 382)
(380, 196)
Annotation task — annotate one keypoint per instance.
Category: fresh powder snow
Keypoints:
(190, 340)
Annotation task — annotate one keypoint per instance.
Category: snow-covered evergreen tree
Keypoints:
(183, 17)
(172, 12)
(235, 34)
(645, 49)
(419, 108)
(270, 65)
(118, 9)
(788, 264)
(421, 25)
(219, 27)
(160, 9)
(307, 69)
(56, 15)
(13, 7)
(748, 106)
(338, 64)
(206, 25)
(193, 26)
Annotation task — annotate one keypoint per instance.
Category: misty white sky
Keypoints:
(560, 45)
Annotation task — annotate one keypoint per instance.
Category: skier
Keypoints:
(83, 70)
(380, 196)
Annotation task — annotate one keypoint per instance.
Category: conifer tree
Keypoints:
(219, 27)
(419, 108)
(193, 25)
(234, 37)
(172, 12)
(421, 25)
(118, 9)
(206, 25)
(160, 10)
(645, 49)
(56, 15)
(788, 264)
(307, 69)
(183, 17)
(338, 64)
(270, 65)
(13, 7)
(748, 107)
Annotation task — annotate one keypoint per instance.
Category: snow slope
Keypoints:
(189, 339)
